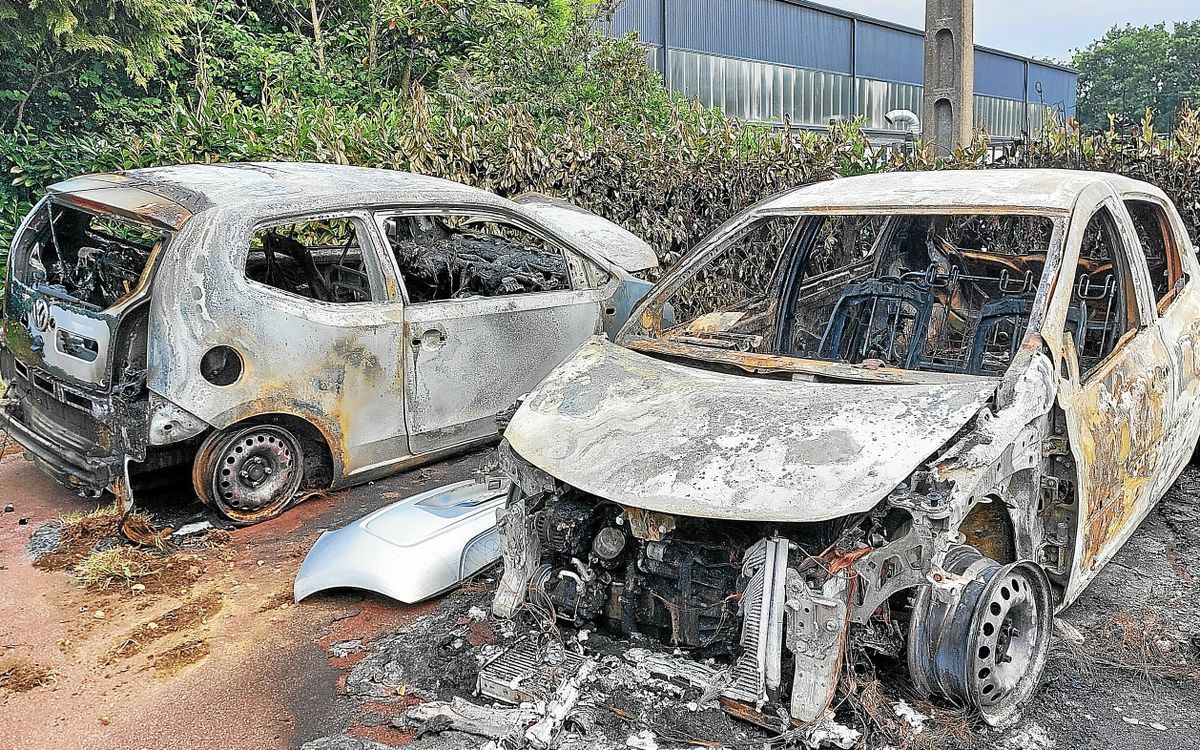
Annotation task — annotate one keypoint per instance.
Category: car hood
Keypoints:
(682, 440)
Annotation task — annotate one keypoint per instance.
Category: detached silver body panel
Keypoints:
(411, 550)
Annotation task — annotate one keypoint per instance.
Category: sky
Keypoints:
(1037, 28)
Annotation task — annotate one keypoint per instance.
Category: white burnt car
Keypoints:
(909, 413)
(282, 326)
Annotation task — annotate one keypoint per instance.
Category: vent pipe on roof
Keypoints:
(904, 119)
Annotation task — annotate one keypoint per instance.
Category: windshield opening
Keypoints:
(95, 259)
(946, 293)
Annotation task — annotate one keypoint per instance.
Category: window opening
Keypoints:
(1103, 303)
(1156, 239)
(320, 259)
(455, 257)
(97, 259)
(934, 292)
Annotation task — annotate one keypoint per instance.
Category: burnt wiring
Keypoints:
(86, 259)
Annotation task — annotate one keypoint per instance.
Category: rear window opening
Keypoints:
(95, 259)
(320, 259)
(948, 293)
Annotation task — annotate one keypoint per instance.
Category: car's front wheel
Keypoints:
(249, 473)
(985, 647)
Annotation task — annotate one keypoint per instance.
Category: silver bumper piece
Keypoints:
(411, 550)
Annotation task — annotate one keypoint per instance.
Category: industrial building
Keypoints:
(764, 60)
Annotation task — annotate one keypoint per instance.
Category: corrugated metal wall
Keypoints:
(888, 54)
(642, 16)
(762, 92)
(764, 30)
(767, 60)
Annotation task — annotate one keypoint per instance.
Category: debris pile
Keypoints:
(106, 548)
(587, 691)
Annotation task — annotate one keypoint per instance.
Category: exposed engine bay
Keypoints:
(94, 259)
(778, 604)
(678, 580)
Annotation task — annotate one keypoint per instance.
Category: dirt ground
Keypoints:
(247, 668)
(216, 655)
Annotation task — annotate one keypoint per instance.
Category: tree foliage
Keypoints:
(1135, 67)
(54, 49)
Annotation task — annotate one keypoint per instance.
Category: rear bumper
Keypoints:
(66, 465)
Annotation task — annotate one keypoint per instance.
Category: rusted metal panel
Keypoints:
(336, 366)
(1130, 421)
(689, 430)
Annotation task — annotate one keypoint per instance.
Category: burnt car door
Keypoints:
(1171, 262)
(494, 303)
(1115, 388)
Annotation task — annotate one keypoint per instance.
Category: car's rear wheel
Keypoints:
(249, 473)
(987, 647)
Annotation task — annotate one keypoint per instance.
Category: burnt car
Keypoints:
(911, 414)
(278, 327)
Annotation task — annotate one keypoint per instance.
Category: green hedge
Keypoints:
(671, 185)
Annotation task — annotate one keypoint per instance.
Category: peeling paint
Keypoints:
(384, 384)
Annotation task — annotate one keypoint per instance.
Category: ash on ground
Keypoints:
(631, 693)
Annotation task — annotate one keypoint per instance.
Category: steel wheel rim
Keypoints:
(256, 472)
(1010, 638)
(1006, 639)
(985, 648)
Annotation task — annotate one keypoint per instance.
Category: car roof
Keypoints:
(1053, 190)
(170, 195)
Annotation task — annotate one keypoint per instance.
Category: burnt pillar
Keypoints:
(949, 73)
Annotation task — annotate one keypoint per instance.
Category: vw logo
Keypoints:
(41, 315)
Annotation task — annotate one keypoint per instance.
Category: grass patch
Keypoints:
(75, 537)
(87, 518)
(78, 533)
(1139, 641)
(20, 675)
(116, 566)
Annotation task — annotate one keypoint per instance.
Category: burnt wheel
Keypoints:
(249, 473)
(986, 648)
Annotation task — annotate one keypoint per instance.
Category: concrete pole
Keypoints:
(948, 107)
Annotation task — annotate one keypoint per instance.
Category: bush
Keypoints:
(670, 184)
(508, 96)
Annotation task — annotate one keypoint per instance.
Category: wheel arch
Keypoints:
(319, 466)
(988, 526)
